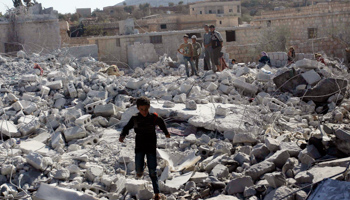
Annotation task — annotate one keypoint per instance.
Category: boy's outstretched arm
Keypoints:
(162, 126)
(126, 129)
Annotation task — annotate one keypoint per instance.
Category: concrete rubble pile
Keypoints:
(238, 134)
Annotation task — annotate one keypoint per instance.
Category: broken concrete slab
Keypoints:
(74, 133)
(237, 185)
(51, 192)
(311, 77)
(9, 129)
(259, 169)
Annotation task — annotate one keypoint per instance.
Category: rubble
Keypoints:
(244, 132)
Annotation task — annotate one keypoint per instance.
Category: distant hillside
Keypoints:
(156, 3)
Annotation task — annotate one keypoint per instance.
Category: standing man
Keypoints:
(187, 52)
(197, 50)
(216, 44)
(208, 51)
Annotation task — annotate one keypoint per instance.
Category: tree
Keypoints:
(124, 3)
(144, 6)
(181, 2)
(94, 12)
(17, 3)
(28, 3)
(171, 4)
(75, 17)
(129, 9)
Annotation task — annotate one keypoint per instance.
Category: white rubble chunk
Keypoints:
(11, 97)
(8, 189)
(29, 78)
(275, 179)
(75, 132)
(212, 86)
(83, 120)
(72, 90)
(223, 197)
(59, 103)
(225, 88)
(259, 169)
(199, 177)
(94, 172)
(134, 186)
(245, 87)
(135, 84)
(180, 98)
(61, 174)
(280, 193)
(244, 138)
(272, 144)
(46, 192)
(30, 127)
(221, 111)
(311, 77)
(100, 95)
(279, 158)
(7, 169)
(17, 106)
(307, 64)
(37, 161)
(57, 140)
(168, 104)
(31, 145)
(21, 54)
(44, 90)
(9, 129)
(55, 85)
(106, 110)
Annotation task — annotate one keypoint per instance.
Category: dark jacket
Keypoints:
(265, 60)
(145, 129)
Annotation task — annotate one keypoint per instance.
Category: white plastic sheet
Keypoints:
(178, 162)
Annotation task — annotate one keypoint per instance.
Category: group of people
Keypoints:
(191, 51)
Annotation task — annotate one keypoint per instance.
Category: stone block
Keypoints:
(260, 151)
(311, 77)
(272, 144)
(7, 169)
(44, 90)
(94, 172)
(91, 107)
(238, 185)
(275, 179)
(51, 192)
(99, 95)
(29, 78)
(72, 90)
(259, 169)
(17, 106)
(37, 161)
(9, 129)
(307, 64)
(245, 87)
(74, 133)
(83, 120)
(220, 171)
(106, 110)
(212, 86)
(59, 103)
(191, 105)
(134, 186)
(30, 127)
(279, 158)
(168, 104)
(225, 88)
(221, 111)
(181, 98)
(61, 174)
(11, 97)
(55, 85)
(57, 140)
(31, 146)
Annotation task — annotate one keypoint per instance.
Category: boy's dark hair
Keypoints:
(233, 60)
(143, 101)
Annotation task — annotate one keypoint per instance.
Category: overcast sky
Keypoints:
(65, 6)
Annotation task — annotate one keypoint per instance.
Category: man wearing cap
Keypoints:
(186, 49)
(197, 51)
(208, 51)
(216, 44)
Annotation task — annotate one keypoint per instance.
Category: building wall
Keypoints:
(325, 18)
(216, 7)
(4, 34)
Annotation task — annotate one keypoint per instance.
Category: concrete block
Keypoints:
(9, 129)
(260, 151)
(225, 88)
(7, 169)
(135, 84)
(220, 111)
(181, 98)
(168, 104)
(212, 86)
(106, 110)
(210, 78)
(37, 161)
(32, 146)
(61, 174)
(275, 179)
(220, 171)
(55, 85)
(59, 103)
(272, 144)
(100, 95)
(74, 133)
(29, 108)
(237, 185)
(72, 90)
(83, 120)
(57, 140)
(246, 87)
(11, 97)
(91, 107)
(307, 64)
(134, 186)
(29, 78)
(51, 192)
(17, 106)
(94, 172)
(259, 169)
(311, 77)
(30, 127)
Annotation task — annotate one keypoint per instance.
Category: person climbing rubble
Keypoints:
(144, 125)
(186, 49)
(291, 55)
(197, 50)
(216, 44)
(208, 50)
(319, 58)
(264, 60)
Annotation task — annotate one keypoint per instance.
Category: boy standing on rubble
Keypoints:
(144, 125)
(197, 50)
(186, 49)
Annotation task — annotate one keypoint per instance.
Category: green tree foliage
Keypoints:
(144, 6)
(75, 17)
(181, 2)
(129, 9)
(171, 4)
(17, 3)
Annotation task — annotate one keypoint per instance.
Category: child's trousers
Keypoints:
(152, 167)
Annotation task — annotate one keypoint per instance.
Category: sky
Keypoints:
(65, 6)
